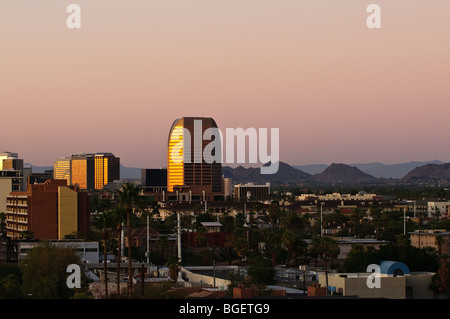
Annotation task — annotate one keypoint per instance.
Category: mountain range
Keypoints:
(343, 174)
(375, 169)
(336, 173)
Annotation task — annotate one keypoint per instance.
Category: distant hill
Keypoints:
(342, 174)
(286, 175)
(429, 172)
(375, 169)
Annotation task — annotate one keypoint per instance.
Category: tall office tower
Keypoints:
(107, 169)
(61, 169)
(88, 170)
(189, 175)
(83, 170)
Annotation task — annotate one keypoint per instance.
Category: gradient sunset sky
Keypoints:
(338, 91)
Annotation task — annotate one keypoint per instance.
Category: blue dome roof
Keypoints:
(393, 268)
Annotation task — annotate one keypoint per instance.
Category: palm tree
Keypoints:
(104, 221)
(327, 249)
(129, 197)
(118, 217)
(288, 240)
(439, 241)
(2, 223)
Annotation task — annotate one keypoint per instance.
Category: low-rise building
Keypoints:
(393, 281)
(430, 238)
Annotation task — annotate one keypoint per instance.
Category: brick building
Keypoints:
(49, 211)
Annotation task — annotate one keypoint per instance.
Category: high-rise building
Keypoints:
(11, 176)
(88, 170)
(83, 171)
(62, 168)
(189, 175)
(10, 161)
(107, 169)
(154, 183)
(227, 187)
(50, 211)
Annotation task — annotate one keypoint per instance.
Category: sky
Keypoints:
(338, 91)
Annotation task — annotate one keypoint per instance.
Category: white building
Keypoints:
(88, 251)
(438, 209)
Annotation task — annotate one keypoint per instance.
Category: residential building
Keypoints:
(49, 211)
(438, 209)
(428, 238)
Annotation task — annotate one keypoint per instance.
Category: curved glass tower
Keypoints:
(187, 170)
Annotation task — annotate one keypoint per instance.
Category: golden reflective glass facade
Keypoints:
(101, 171)
(79, 172)
(61, 170)
(175, 165)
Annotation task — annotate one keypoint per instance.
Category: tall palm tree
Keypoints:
(118, 216)
(104, 222)
(439, 241)
(327, 249)
(129, 197)
(2, 223)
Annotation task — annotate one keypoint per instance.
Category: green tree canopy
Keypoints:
(44, 273)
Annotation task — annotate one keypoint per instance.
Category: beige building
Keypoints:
(427, 238)
(393, 281)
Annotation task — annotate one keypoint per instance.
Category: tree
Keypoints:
(261, 271)
(129, 197)
(327, 250)
(439, 241)
(441, 280)
(118, 218)
(174, 267)
(44, 272)
(2, 224)
(105, 221)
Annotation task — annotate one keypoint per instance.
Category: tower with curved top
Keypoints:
(189, 176)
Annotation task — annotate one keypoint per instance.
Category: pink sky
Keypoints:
(338, 91)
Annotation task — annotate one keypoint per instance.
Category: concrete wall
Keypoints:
(356, 285)
(195, 278)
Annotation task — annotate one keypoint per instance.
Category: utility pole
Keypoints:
(179, 242)
(321, 221)
(404, 220)
(179, 236)
(214, 272)
(148, 239)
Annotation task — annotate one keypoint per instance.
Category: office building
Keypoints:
(227, 187)
(49, 211)
(62, 168)
(189, 175)
(87, 170)
(251, 191)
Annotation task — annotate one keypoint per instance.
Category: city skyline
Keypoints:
(338, 91)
